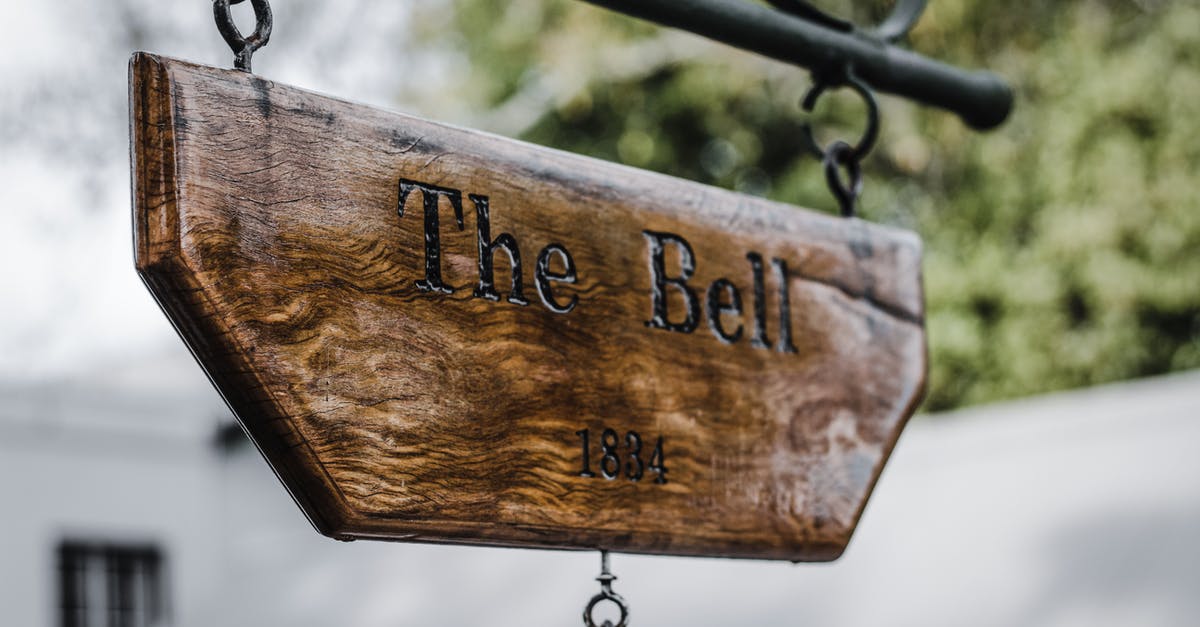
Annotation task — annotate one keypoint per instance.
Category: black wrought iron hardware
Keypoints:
(796, 33)
(606, 593)
(244, 47)
(802, 35)
(841, 155)
(901, 20)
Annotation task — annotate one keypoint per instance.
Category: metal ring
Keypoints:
(606, 596)
(244, 47)
(841, 154)
(870, 134)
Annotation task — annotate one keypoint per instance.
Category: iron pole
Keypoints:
(982, 99)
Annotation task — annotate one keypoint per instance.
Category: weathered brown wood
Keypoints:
(272, 229)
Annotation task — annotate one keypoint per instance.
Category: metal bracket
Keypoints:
(802, 35)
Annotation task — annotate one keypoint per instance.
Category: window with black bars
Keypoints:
(111, 585)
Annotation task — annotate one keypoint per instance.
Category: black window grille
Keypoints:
(111, 585)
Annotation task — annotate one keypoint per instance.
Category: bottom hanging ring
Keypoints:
(606, 580)
(606, 596)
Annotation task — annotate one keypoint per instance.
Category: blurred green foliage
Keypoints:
(1063, 250)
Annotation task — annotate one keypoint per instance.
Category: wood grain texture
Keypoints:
(268, 226)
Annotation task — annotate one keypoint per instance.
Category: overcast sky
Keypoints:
(72, 300)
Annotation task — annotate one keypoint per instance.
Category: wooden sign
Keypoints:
(439, 335)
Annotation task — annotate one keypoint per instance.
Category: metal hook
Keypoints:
(244, 47)
(901, 20)
(606, 579)
(841, 154)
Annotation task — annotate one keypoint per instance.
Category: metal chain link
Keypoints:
(244, 47)
(839, 154)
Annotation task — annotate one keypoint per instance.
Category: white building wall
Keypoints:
(1074, 509)
(123, 457)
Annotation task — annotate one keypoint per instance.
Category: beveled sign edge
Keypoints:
(160, 267)
(163, 272)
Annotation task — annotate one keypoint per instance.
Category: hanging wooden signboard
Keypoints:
(440, 335)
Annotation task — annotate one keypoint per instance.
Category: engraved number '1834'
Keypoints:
(615, 458)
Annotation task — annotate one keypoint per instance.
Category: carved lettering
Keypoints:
(635, 466)
(718, 289)
(722, 301)
(785, 307)
(659, 281)
(760, 339)
(433, 245)
(487, 252)
(543, 276)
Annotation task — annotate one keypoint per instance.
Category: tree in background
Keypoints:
(1063, 250)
